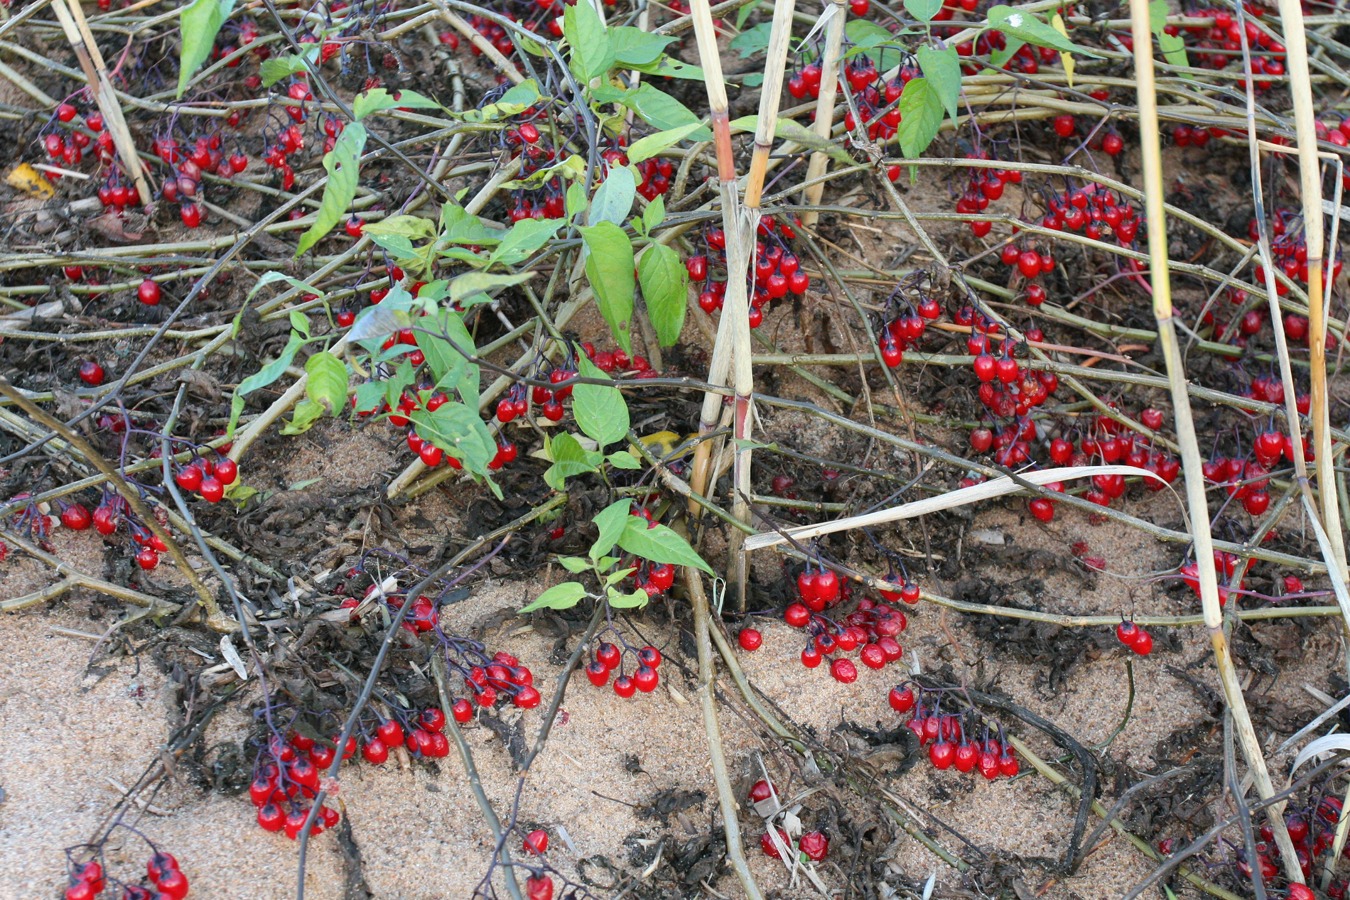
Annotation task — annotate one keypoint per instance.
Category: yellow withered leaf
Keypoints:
(24, 177)
(1057, 22)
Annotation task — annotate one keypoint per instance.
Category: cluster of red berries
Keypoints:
(983, 186)
(207, 477)
(1135, 637)
(1217, 44)
(424, 615)
(1027, 59)
(1290, 253)
(535, 152)
(947, 735)
(776, 271)
(68, 149)
(286, 780)
(902, 330)
(812, 846)
(873, 628)
(609, 658)
(877, 100)
(1007, 388)
(1225, 564)
(656, 174)
(1095, 211)
(88, 880)
(542, 17)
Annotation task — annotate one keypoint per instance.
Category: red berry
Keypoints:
(536, 842)
(76, 517)
(901, 699)
(149, 292)
(645, 679)
(760, 791)
(375, 752)
(191, 214)
(539, 887)
(624, 686)
(91, 373)
(1042, 509)
(797, 615)
(147, 558)
(1065, 125)
(844, 670)
(598, 673)
(750, 639)
(211, 489)
(815, 845)
(270, 817)
(1143, 643)
(354, 227)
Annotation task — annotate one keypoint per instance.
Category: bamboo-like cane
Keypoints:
(824, 124)
(86, 50)
(1310, 184)
(1151, 149)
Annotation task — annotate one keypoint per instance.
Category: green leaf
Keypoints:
(306, 413)
(569, 459)
(789, 130)
(624, 460)
(877, 42)
(1173, 49)
(649, 146)
(1157, 16)
(272, 277)
(574, 564)
(659, 544)
(665, 288)
(924, 10)
(636, 600)
(635, 47)
(610, 521)
(515, 101)
(654, 214)
(369, 396)
(753, 40)
(560, 596)
(380, 99)
(600, 410)
(262, 378)
(618, 575)
(300, 322)
(590, 52)
(459, 226)
(942, 68)
(459, 431)
(614, 198)
(920, 117)
(412, 227)
(1026, 26)
(448, 359)
(663, 112)
(523, 239)
(576, 199)
(327, 382)
(999, 58)
(343, 164)
(275, 68)
(609, 268)
(472, 287)
(665, 67)
(198, 25)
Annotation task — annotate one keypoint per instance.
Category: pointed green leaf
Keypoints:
(343, 164)
(659, 544)
(942, 68)
(459, 431)
(624, 460)
(635, 47)
(618, 575)
(649, 146)
(198, 25)
(275, 68)
(610, 521)
(590, 52)
(560, 596)
(412, 227)
(515, 101)
(923, 10)
(569, 459)
(380, 99)
(523, 239)
(636, 600)
(920, 117)
(654, 214)
(664, 112)
(262, 378)
(752, 40)
(788, 130)
(665, 288)
(614, 198)
(600, 410)
(1028, 27)
(306, 413)
(327, 382)
(574, 564)
(472, 287)
(609, 268)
